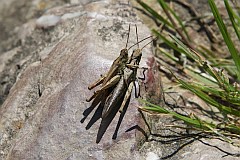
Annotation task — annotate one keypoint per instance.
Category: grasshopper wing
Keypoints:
(111, 108)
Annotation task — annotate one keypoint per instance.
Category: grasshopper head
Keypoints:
(136, 56)
(124, 54)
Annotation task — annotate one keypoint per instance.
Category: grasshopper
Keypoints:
(117, 66)
(113, 75)
(108, 81)
(119, 99)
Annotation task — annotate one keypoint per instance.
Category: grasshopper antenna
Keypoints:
(128, 35)
(149, 42)
(137, 35)
(140, 42)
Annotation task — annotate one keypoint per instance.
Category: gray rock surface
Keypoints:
(40, 119)
(60, 53)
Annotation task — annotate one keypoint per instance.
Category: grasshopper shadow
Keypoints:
(108, 119)
(105, 122)
(121, 118)
(98, 101)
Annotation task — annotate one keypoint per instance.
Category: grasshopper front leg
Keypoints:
(137, 93)
(109, 84)
(132, 66)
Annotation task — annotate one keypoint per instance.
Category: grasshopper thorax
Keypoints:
(136, 56)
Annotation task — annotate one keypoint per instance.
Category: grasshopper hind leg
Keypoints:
(112, 82)
(123, 108)
(121, 117)
(98, 82)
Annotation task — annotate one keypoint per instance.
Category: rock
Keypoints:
(40, 119)
(152, 156)
(47, 21)
(52, 67)
(209, 149)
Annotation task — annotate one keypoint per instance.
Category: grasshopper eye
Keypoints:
(124, 51)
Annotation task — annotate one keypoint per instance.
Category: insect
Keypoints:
(113, 75)
(108, 81)
(121, 74)
(119, 98)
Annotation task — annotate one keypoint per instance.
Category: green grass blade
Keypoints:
(169, 43)
(232, 18)
(208, 99)
(166, 7)
(226, 36)
(209, 81)
(233, 129)
(155, 14)
(188, 120)
(153, 107)
(184, 48)
(202, 63)
(169, 55)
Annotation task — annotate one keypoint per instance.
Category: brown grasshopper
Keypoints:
(119, 99)
(113, 76)
(116, 67)
(101, 94)
(108, 81)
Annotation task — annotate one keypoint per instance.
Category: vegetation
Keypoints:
(213, 79)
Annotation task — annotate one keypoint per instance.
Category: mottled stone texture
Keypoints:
(56, 51)
(40, 119)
